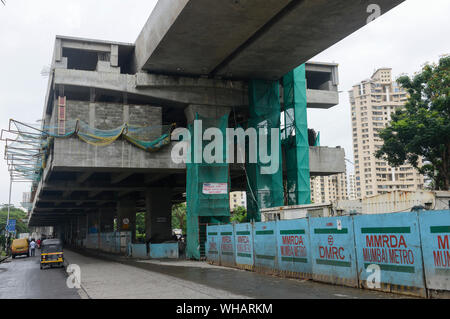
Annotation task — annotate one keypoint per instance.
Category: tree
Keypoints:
(422, 128)
(140, 225)
(239, 215)
(179, 217)
(15, 213)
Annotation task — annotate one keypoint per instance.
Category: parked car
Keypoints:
(20, 247)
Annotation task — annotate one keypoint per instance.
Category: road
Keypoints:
(21, 278)
(111, 277)
(114, 277)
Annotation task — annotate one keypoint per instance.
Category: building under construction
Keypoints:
(104, 149)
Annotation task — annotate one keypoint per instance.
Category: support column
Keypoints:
(126, 212)
(106, 220)
(158, 216)
(296, 146)
(202, 207)
(93, 230)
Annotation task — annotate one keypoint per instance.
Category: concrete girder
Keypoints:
(120, 177)
(197, 25)
(156, 87)
(245, 39)
(121, 155)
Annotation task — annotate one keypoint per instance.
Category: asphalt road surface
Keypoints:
(21, 278)
(109, 277)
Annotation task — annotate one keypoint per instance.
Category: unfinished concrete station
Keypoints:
(192, 57)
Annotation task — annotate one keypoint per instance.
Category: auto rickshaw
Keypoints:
(52, 253)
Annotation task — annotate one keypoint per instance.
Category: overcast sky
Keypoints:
(411, 34)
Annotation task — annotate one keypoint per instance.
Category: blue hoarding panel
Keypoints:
(333, 250)
(166, 250)
(388, 248)
(139, 250)
(212, 243)
(227, 253)
(265, 245)
(294, 246)
(435, 233)
(244, 244)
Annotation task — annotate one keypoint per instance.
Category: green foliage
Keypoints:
(239, 215)
(422, 129)
(15, 213)
(179, 217)
(140, 227)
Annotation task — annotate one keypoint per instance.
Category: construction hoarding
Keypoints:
(389, 253)
(265, 246)
(294, 256)
(435, 234)
(333, 250)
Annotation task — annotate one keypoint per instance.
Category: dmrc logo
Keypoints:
(330, 240)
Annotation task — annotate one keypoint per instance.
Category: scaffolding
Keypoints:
(264, 190)
(295, 137)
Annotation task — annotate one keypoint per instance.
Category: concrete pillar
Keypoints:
(211, 208)
(126, 212)
(158, 217)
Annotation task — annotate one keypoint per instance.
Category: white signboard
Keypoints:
(215, 188)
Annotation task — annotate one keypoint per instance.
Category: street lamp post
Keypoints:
(9, 209)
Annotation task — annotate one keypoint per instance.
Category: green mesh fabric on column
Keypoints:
(264, 190)
(296, 145)
(203, 209)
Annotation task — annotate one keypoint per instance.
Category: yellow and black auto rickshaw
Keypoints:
(52, 253)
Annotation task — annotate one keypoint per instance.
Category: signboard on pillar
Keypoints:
(125, 224)
(215, 188)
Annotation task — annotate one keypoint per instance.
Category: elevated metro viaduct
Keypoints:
(192, 57)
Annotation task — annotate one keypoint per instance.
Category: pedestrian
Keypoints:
(32, 247)
(38, 242)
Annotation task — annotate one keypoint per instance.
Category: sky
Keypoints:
(403, 39)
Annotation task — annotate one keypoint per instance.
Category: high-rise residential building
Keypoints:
(238, 199)
(352, 187)
(329, 188)
(372, 102)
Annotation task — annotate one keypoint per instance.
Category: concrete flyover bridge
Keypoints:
(246, 38)
(192, 57)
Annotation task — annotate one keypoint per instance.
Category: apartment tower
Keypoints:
(372, 102)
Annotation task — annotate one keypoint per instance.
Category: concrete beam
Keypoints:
(325, 161)
(261, 40)
(117, 178)
(73, 153)
(164, 92)
(199, 24)
(83, 177)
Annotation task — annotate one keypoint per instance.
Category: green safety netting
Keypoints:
(204, 209)
(264, 190)
(27, 149)
(295, 137)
